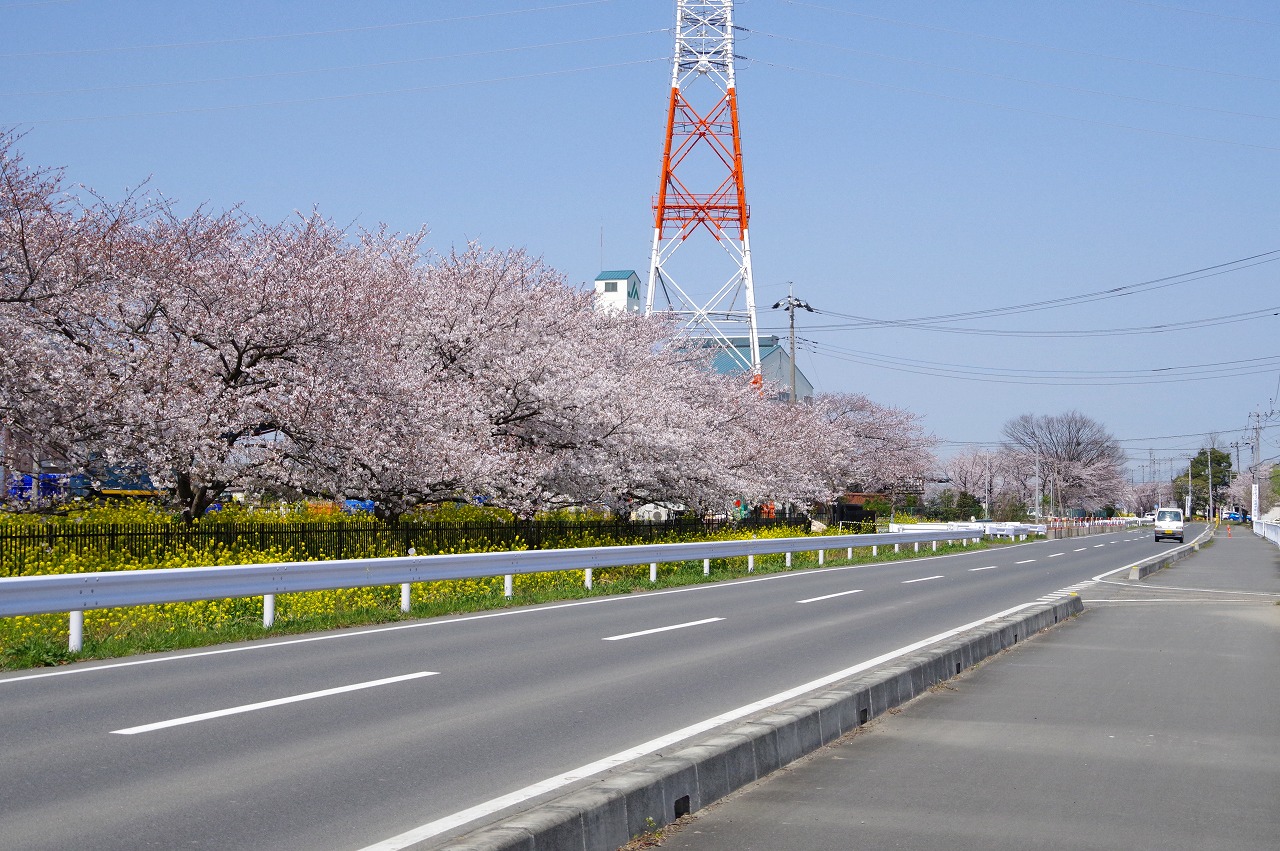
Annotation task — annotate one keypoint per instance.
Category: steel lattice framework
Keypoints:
(703, 151)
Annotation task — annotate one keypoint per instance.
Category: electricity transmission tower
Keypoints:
(701, 189)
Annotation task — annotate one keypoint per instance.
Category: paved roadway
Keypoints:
(1149, 723)
(344, 739)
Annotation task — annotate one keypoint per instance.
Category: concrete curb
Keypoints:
(1148, 566)
(609, 813)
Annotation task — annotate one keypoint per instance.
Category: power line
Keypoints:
(1191, 324)
(1200, 12)
(992, 75)
(351, 96)
(1032, 44)
(1115, 125)
(1094, 378)
(1082, 298)
(250, 39)
(326, 70)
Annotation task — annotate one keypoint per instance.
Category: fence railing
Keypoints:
(1269, 531)
(22, 545)
(77, 592)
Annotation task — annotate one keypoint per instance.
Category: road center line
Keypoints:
(925, 579)
(976, 569)
(829, 596)
(1082, 549)
(1055, 555)
(266, 704)
(1025, 561)
(1095, 546)
(662, 629)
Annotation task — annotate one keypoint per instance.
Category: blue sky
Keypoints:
(903, 159)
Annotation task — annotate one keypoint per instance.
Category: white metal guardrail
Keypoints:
(1270, 531)
(76, 593)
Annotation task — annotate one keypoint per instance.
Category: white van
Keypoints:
(1169, 524)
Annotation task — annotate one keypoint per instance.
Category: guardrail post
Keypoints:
(507, 590)
(706, 567)
(404, 597)
(915, 547)
(788, 560)
(653, 571)
(586, 578)
(821, 553)
(850, 555)
(935, 545)
(751, 563)
(76, 641)
(268, 610)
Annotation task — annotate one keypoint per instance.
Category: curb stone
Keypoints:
(611, 811)
(1148, 566)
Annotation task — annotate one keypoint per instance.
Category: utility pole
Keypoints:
(1208, 454)
(1039, 488)
(1188, 512)
(789, 304)
(1257, 464)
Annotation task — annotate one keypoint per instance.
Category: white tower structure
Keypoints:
(701, 188)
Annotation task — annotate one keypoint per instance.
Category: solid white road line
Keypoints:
(976, 569)
(552, 784)
(266, 704)
(925, 579)
(829, 596)
(662, 629)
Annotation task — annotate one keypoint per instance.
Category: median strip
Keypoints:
(267, 704)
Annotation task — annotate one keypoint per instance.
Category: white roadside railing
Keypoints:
(994, 530)
(76, 593)
(1270, 531)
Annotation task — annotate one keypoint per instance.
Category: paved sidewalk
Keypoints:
(1152, 721)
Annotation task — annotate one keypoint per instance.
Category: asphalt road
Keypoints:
(345, 739)
(1148, 723)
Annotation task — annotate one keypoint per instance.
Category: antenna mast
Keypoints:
(701, 186)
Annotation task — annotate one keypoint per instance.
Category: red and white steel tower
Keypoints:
(701, 188)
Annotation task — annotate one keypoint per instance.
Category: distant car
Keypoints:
(1149, 517)
(1234, 517)
(1169, 524)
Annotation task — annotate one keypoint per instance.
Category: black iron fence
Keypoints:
(100, 546)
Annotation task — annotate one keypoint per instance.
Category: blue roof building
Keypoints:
(775, 365)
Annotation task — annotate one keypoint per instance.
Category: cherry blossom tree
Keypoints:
(218, 351)
(60, 255)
